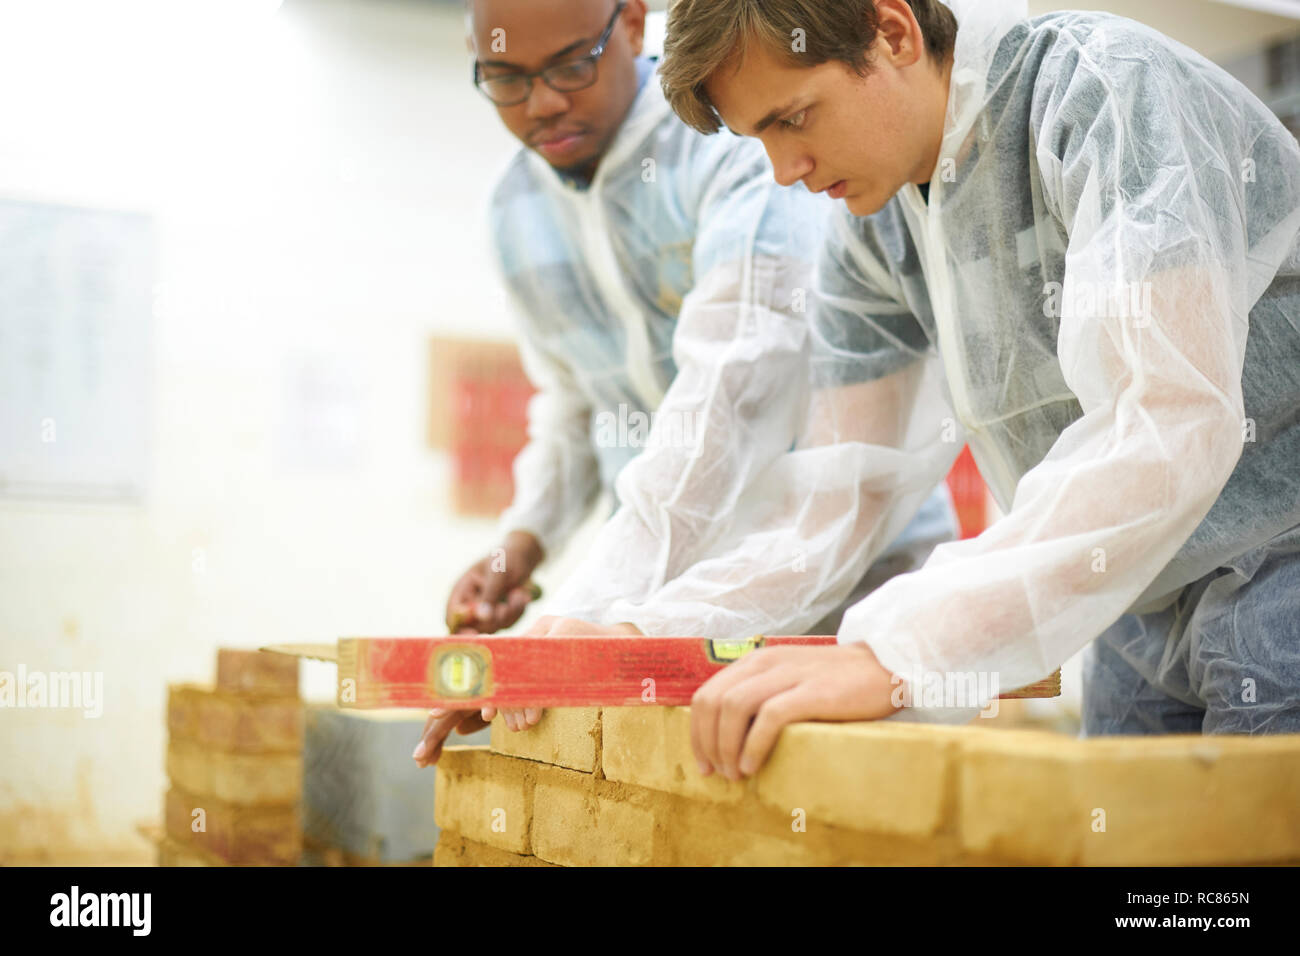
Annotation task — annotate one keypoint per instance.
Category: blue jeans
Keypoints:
(1224, 658)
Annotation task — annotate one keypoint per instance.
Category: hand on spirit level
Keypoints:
(737, 715)
(493, 593)
(443, 721)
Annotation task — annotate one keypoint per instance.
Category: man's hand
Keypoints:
(439, 726)
(522, 719)
(775, 686)
(495, 590)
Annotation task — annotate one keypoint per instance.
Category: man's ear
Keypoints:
(634, 22)
(899, 30)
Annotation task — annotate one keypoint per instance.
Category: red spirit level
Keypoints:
(468, 671)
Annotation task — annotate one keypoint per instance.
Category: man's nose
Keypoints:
(544, 101)
(789, 165)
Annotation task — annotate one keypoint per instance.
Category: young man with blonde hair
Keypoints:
(1074, 242)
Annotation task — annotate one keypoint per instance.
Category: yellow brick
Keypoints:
(183, 710)
(188, 767)
(696, 833)
(486, 797)
(172, 853)
(234, 723)
(250, 725)
(239, 835)
(243, 779)
(256, 673)
(565, 737)
(699, 835)
(651, 747)
(454, 850)
(575, 826)
(877, 777)
(1178, 800)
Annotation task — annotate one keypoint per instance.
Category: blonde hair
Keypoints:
(704, 34)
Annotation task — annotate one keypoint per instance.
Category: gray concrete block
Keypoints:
(362, 792)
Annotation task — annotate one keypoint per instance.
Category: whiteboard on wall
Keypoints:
(76, 300)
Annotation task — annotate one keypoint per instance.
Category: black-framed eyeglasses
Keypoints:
(513, 88)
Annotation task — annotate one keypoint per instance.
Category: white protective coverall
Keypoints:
(1102, 294)
(678, 283)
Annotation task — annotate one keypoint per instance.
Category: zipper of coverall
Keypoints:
(941, 298)
(647, 110)
(593, 233)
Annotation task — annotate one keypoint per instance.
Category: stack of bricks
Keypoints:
(234, 759)
(621, 787)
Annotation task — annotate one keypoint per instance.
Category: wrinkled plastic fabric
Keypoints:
(1106, 284)
(1224, 658)
(679, 284)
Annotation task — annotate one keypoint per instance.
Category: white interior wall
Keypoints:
(317, 176)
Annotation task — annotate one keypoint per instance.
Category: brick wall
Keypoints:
(620, 787)
(234, 760)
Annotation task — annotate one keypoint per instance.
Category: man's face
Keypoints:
(858, 138)
(569, 130)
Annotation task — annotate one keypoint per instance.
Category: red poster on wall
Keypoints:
(488, 407)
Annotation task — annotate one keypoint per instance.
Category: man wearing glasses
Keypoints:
(660, 278)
